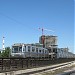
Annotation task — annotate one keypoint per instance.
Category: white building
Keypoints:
(29, 50)
(64, 53)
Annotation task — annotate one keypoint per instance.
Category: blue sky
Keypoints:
(20, 20)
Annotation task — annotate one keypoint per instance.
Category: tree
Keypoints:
(6, 52)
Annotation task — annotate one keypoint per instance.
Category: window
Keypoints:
(12, 50)
(46, 51)
(37, 50)
(33, 49)
(15, 49)
(25, 48)
(40, 51)
(28, 48)
(49, 50)
(43, 50)
(20, 49)
(54, 50)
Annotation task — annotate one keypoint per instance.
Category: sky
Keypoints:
(20, 20)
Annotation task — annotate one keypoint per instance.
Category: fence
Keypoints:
(7, 64)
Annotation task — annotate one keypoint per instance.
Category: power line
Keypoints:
(10, 18)
(14, 20)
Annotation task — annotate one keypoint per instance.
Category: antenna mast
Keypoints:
(3, 43)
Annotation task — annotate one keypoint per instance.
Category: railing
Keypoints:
(8, 64)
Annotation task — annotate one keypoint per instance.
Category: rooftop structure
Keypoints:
(48, 40)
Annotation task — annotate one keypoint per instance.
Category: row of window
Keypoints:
(28, 49)
(16, 49)
(35, 49)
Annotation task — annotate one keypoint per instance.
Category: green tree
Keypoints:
(6, 52)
